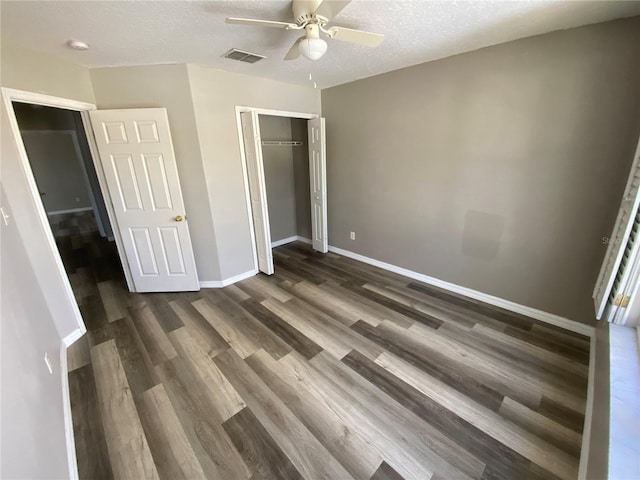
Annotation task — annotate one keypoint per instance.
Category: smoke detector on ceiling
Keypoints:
(243, 56)
(78, 45)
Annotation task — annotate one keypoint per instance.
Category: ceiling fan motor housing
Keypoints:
(303, 10)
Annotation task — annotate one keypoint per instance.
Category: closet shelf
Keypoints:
(282, 143)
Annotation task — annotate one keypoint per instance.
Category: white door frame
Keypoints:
(11, 95)
(245, 175)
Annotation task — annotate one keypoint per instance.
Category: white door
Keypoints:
(318, 181)
(139, 165)
(257, 190)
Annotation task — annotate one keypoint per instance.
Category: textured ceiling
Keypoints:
(141, 32)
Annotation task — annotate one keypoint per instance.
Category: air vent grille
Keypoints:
(242, 56)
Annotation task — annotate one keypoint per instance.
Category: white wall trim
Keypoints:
(8, 96)
(74, 336)
(534, 313)
(243, 160)
(72, 459)
(69, 210)
(227, 281)
(588, 414)
(294, 238)
(46, 100)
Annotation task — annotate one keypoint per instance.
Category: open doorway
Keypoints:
(279, 204)
(64, 172)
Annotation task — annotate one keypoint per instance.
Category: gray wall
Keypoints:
(499, 170)
(168, 86)
(286, 171)
(216, 94)
(55, 163)
(35, 314)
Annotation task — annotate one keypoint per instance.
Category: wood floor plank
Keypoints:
(513, 319)
(509, 374)
(319, 409)
(319, 335)
(313, 295)
(126, 441)
(385, 472)
(253, 329)
(543, 427)
(544, 371)
(561, 414)
(113, 301)
(291, 336)
(240, 343)
(381, 403)
(434, 363)
(500, 461)
(411, 458)
(154, 337)
(394, 306)
(549, 359)
(430, 310)
(136, 362)
(526, 444)
(306, 453)
(165, 316)
(78, 354)
(173, 454)
(91, 452)
(203, 333)
(260, 452)
(329, 368)
(262, 285)
(334, 328)
(223, 396)
(202, 425)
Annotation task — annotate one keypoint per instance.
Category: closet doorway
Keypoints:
(284, 162)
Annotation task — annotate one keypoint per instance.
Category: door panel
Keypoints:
(257, 190)
(136, 154)
(318, 183)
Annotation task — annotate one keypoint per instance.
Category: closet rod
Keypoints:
(289, 143)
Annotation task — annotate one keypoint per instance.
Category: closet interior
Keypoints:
(286, 170)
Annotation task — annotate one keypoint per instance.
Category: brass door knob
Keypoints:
(179, 218)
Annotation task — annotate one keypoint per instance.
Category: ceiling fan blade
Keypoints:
(356, 36)
(331, 8)
(294, 51)
(261, 23)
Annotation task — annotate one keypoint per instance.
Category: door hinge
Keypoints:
(622, 301)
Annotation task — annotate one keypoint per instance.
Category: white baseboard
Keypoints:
(227, 281)
(534, 313)
(70, 441)
(284, 241)
(295, 238)
(73, 336)
(588, 414)
(70, 210)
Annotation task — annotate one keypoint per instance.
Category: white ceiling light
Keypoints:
(78, 45)
(312, 48)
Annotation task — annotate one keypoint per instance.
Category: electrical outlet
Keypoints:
(352, 236)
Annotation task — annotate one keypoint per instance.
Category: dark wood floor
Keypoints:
(329, 369)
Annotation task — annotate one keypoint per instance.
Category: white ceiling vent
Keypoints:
(242, 56)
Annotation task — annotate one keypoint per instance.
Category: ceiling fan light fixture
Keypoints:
(312, 48)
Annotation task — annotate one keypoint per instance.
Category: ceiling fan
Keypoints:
(312, 16)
